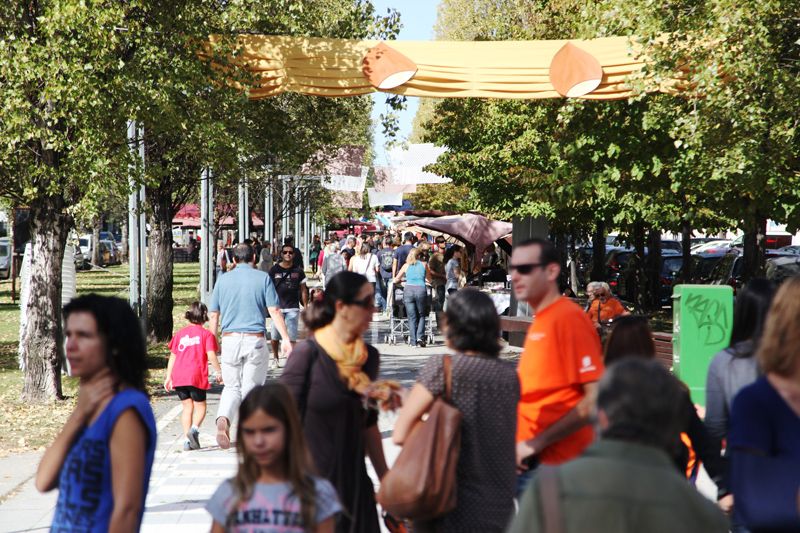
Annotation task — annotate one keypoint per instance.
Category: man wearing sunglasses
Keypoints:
(560, 364)
(290, 284)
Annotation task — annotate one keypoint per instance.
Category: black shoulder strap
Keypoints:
(552, 518)
(307, 380)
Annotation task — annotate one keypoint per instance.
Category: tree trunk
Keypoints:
(755, 229)
(573, 263)
(653, 268)
(124, 244)
(599, 252)
(41, 342)
(687, 274)
(561, 246)
(97, 223)
(639, 278)
(160, 267)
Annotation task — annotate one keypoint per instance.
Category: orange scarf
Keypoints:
(349, 357)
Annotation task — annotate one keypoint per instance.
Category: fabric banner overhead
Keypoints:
(338, 169)
(347, 200)
(378, 199)
(383, 182)
(342, 182)
(406, 164)
(444, 69)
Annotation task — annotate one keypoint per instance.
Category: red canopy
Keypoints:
(188, 216)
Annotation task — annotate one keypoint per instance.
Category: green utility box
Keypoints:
(702, 322)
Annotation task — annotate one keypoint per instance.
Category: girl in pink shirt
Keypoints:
(187, 371)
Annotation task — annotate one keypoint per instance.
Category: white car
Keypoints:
(5, 258)
(711, 245)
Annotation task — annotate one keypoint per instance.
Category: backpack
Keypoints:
(335, 265)
(386, 261)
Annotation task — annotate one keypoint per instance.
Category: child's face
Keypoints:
(264, 438)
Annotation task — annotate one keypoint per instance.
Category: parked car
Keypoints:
(668, 244)
(704, 263)
(5, 258)
(729, 269)
(622, 279)
(771, 241)
(697, 241)
(780, 269)
(713, 246)
(793, 249)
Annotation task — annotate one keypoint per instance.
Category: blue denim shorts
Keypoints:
(292, 319)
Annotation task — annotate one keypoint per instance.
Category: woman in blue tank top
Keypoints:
(101, 460)
(415, 297)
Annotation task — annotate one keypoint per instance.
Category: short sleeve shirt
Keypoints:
(242, 296)
(385, 273)
(191, 346)
(287, 282)
(401, 254)
(562, 352)
(271, 509)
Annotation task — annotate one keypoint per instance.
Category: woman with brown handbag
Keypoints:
(332, 376)
(486, 391)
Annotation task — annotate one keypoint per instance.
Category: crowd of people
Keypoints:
(582, 435)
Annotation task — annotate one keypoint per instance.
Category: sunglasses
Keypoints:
(287, 252)
(366, 303)
(526, 268)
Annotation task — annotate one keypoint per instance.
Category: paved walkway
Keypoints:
(181, 481)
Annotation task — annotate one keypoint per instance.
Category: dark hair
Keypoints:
(450, 252)
(243, 253)
(630, 336)
(750, 313)
(408, 236)
(547, 250)
(289, 239)
(126, 351)
(197, 313)
(342, 287)
(471, 322)
(644, 403)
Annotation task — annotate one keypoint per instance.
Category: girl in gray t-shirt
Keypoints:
(273, 490)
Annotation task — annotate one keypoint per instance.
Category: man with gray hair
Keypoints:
(626, 482)
(242, 299)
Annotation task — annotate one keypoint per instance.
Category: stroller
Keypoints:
(398, 318)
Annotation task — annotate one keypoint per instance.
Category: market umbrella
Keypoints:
(476, 230)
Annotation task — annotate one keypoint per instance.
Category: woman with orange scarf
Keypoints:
(332, 376)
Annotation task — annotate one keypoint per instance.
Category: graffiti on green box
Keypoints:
(709, 316)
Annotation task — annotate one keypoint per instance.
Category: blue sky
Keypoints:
(418, 18)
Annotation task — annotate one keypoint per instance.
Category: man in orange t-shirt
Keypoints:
(559, 367)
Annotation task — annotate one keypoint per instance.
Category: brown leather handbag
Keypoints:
(422, 483)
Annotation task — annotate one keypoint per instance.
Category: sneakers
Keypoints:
(421, 343)
(223, 439)
(187, 445)
(194, 438)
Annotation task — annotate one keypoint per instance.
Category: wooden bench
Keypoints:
(515, 323)
(663, 342)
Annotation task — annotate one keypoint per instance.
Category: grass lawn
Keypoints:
(31, 427)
